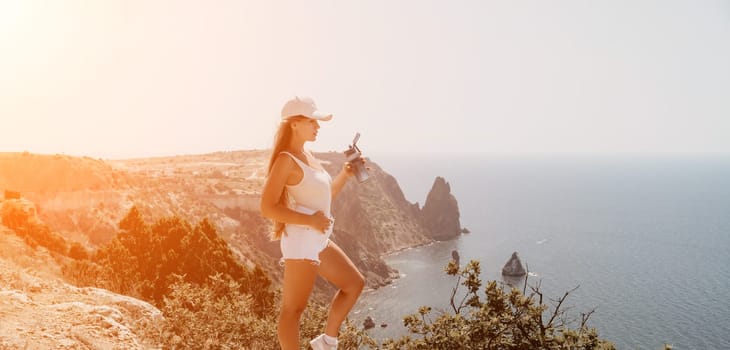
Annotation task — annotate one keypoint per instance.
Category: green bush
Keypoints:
(142, 260)
(78, 252)
(217, 315)
(500, 320)
(214, 315)
(27, 226)
(84, 273)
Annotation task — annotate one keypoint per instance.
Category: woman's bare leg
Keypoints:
(299, 277)
(337, 268)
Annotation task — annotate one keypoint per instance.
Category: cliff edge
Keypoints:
(373, 219)
(40, 311)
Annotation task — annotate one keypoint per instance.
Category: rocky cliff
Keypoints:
(441, 212)
(372, 219)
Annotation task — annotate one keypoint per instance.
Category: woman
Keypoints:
(297, 197)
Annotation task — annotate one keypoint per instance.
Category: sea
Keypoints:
(644, 238)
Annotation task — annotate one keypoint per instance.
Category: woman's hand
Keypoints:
(320, 222)
(349, 169)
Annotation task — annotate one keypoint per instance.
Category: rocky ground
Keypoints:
(38, 310)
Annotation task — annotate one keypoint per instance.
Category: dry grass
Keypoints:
(36, 261)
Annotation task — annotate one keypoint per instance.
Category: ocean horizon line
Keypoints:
(420, 154)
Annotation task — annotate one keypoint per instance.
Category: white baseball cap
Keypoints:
(303, 106)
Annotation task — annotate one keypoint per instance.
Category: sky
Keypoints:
(133, 78)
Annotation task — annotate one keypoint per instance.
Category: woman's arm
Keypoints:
(341, 179)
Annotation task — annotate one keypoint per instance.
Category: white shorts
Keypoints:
(300, 242)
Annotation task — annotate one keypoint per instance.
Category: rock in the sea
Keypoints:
(455, 256)
(368, 323)
(465, 230)
(441, 212)
(514, 267)
(383, 325)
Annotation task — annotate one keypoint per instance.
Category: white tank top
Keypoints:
(314, 192)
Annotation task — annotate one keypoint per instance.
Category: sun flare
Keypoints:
(13, 15)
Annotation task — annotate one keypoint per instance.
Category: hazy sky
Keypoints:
(141, 78)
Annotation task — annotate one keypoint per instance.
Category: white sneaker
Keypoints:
(318, 343)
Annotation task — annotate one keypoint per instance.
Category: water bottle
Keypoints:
(352, 155)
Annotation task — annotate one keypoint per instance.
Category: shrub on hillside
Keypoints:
(501, 320)
(19, 216)
(78, 252)
(12, 194)
(13, 215)
(142, 260)
(214, 315)
(84, 273)
(217, 315)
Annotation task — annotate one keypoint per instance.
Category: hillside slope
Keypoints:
(40, 311)
(84, 200)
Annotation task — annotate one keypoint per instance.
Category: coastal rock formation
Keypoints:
(374, 219)
(455, 256)
(40, 311)
(441, 212)
(514, 267)
(377, 211)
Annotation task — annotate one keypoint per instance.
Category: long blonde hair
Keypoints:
(282, 139)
